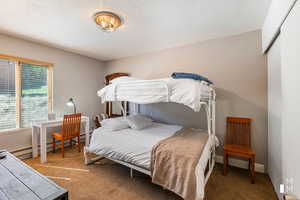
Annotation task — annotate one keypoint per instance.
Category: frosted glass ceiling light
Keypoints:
(108, 21)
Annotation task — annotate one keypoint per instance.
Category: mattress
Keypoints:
(135, 147)
(184, 91)
(128, 145)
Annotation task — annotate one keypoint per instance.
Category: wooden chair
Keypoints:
(238, 143)
(70, 129)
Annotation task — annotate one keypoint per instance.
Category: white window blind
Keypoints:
(7, 95)
(34, 93)
(25, 91)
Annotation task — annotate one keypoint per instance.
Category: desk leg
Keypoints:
(87, 133)
(43, 143)
(35, 133)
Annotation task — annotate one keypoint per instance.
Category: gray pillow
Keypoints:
(138, 122)
(115, 124)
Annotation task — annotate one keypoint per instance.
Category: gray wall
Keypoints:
(238, 69)
(275, 116)
(74, 76)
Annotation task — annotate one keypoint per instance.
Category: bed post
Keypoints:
(208, 116)
(136, 108)
(88, 160)
(131, 173)
(211, 117)
(210, 108)
(125, 109)
(214, 113)
(214, 122)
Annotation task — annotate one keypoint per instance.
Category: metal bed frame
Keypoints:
(210, 109)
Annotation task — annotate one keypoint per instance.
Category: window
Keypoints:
(34, 93)
(25, 91)
(7, 95)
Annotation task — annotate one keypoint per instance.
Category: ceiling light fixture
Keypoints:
(108, 21)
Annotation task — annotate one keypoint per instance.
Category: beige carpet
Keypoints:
(110, 181)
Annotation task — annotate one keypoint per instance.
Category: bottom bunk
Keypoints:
(153, 151)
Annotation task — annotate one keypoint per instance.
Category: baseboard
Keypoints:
(26, 152)
(241, 164)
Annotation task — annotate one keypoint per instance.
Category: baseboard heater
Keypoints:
(26, 152)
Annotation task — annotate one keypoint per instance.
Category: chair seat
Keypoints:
(57, 135)
(238, 149)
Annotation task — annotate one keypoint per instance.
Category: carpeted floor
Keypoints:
(110, 181)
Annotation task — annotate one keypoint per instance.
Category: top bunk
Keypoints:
(192, 93)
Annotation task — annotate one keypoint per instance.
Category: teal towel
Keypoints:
(190, 76)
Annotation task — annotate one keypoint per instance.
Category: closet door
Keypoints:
(274, 116)
(278, 10)
(290, 53)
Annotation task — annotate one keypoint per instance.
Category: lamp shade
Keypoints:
(71, 103)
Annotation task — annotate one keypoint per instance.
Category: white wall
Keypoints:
(284, 107)
(74, 76)
(238, 69)
(274, 116)
(290, 59)
(277, 12)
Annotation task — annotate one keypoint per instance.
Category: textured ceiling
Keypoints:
(149, 25)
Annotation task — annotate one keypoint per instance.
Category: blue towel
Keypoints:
(191, 76)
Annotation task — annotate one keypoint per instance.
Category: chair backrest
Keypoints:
(71, 125)
(238, 131)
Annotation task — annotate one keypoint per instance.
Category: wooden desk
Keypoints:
(18, 181)
(40, 129)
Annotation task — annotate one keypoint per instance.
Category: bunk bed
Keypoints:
(194, 94)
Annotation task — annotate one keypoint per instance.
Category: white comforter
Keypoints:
(132, 146)
(184, 91)
(135, 147)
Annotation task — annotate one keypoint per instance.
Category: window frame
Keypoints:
(18, 82)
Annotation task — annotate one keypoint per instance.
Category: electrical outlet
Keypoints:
(281, 188)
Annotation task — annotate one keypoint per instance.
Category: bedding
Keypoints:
(128, 145)
(190, 76)
(184, 91)
(123, 79)
(138, 121)
(174, 161)
(114, 124)
(135, 147)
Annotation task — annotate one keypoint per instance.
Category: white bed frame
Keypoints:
(210, 109)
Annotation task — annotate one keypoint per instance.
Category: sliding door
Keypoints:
(290, 55)
(278, 10)
(274, 116)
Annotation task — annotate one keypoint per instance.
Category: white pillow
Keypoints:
(115, 124)
(123, 79)
(138, 122)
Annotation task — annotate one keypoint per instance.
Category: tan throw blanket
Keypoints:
(174, 160)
